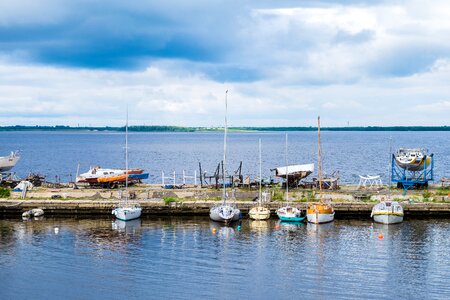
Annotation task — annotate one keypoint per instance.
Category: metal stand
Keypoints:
(408, 179)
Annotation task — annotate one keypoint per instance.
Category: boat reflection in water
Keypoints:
(320, 229)
(222, 230)
(126, 226)
(387, 229)
(293, 226)
(259, 225)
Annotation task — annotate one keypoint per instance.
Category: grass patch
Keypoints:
(277, 195)
(443, 191)
(168, 200)
(426, 196)
(4, 192)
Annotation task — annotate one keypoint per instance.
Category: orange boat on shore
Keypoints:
(96, 173)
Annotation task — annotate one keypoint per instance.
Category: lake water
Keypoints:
(181, 258)
(351, 153)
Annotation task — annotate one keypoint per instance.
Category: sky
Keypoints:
(354, 63)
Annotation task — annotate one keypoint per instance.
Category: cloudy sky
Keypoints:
(284, 62)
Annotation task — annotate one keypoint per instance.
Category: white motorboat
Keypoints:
(387, 212)
(322, 212)
(259, 212)
(412, 159)
(8, 162)
(95, 174)
(224, 212)
(35, 212)
(126, 210)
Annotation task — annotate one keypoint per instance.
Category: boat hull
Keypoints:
(292, 219)
(387, 212)
(94, 174)
(387, 219)
(318, 218)
(296, 171)
(35, 212)
(259, 213)
(127, 213)
(320, 213)
(8, 162)
(414, 166)
(412, 159)
(290, 214)
(224, 213)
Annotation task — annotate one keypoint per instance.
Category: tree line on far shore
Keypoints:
(162, 128)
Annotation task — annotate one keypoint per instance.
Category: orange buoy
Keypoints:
(380, 236)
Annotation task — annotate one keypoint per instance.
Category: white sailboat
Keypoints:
(321, 212)
(388, 211)
(259, 212)
(224, 212)
(412, 159)
(126, 210)
(288, 213)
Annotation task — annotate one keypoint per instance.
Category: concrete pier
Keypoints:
(155, 207)
(155, 200)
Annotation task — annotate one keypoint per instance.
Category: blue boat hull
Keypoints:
(292, 219)
(138, 176)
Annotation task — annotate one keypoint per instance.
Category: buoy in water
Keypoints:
(239, 227)
(214, 230)
(380, 236)
(277, 226)
(56, 229)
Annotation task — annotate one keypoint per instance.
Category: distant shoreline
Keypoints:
(219, 129)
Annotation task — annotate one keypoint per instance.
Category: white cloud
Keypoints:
(441, 107)
(362, 64)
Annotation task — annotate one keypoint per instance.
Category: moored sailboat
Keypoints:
(321, 212)
(126, 210)
(388, 211)
(224, 212)
(259, 212)
(288, 213)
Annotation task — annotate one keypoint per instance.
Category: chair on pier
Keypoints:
(369, 182)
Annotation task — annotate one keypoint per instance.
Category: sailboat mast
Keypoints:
(126, 159)
(260, 174)
(389, 168)
(225, 149)
(287, 173)
(319, 159)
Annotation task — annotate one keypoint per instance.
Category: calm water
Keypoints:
(352, 153)
(183, 258)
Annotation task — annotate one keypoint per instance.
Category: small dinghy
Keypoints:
(35, 212)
